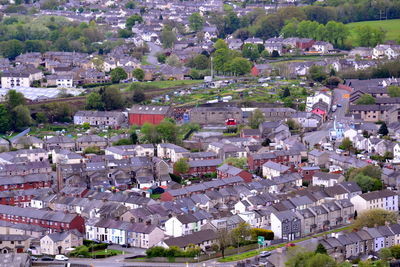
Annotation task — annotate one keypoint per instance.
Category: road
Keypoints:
(322, 135)
(154, 49)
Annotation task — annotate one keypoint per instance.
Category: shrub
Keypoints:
(88, 242)
(155, 252)
(100, 246)
(267, 234)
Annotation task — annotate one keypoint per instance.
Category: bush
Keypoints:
(267, 234)
(91, 85)
(88, 242)
(81, 250)
(155, 252)
(100, 246)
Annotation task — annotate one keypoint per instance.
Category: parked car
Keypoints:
(46, 258)
(265, 253)
(126, 245)
(288, 245)
(61, 258)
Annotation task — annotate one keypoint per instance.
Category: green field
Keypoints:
(391, 26)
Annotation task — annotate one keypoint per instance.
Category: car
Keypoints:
(126, 245)
(288, 245)
(265, 253)
(47, 258)
(339, 105)
(61, 258)
(33, 258)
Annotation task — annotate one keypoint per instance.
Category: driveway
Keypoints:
(154, 49)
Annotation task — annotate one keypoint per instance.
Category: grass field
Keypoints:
(391, 26)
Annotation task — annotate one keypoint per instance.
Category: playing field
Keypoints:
(391, 26)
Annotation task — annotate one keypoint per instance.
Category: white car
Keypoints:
(61, 258)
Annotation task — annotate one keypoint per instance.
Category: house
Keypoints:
(215, 115)
(204, 239)
(274, 130)
(227, 171)
(202, 167)
(22, 142)
(99, 118)
(182, 225)
(60, 142)
(317, 97)
(272, 169)
(382, 199)
(14, 244)
(54, 221)
(138, 115)
(318, 157)
(59, 242)
(326, 179)
(171, 152)
(20, 78)
(286, 225)
(86, 141)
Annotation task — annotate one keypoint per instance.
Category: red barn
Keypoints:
(139, 115)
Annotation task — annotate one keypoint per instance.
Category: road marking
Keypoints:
(346, 96)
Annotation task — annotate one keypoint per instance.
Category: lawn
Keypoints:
(108, 252)
(391, 26)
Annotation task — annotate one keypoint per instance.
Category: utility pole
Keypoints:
(212, 69)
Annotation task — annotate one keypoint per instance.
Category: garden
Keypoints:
(91, 249)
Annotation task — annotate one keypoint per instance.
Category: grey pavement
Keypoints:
(154, 49)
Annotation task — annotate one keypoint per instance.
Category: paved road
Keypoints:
(154, 49)
(322, 135)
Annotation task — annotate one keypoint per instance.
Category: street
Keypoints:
(322, 135)
(154, 49)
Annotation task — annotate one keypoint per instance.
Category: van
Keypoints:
(61, 258)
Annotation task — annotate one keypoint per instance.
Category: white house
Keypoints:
(184, 224)
(171, 151)
(318, 96)
(326, 179)
(272, 169)
(396, 152)
(322, 47)
(285, 225)
(383, 199)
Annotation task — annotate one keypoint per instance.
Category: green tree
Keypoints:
(224, 240)
(94, 101)
(321, 249)
(11, 49)
(130, 5)
(317, 73)
(383, 130)
(385, 254)
(200, 62)
(138, 73)
(21, 117)
(366, 99)
(134, 138)
(167, 131)
(250, 51)
(240, 66)
(161, 57)
(256, 118)
(173, 60)
(181, 166)
(220, 44)
(132, 20)
(321, 260)
(112, 98)
(394, 91)
(196, 22)
(346, 144)
(13, 99)
(5, 119)
(395, 251)
(150, 133)
(368, 36)
(41, 117)
(118, 74)
(241, 233)
(371, 218)
(138, 96)
(168, 38)
(93, 150)
(237, 162)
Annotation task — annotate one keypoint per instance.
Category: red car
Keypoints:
(230, 122)
(290, 245)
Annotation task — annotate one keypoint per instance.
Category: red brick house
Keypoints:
(305, 43)
(201, 167)
(54, 221)
(138, 115)
(30, 181)
(227, 171)
(307, 172)
(250, 133)
(285, 157)
(21, 198)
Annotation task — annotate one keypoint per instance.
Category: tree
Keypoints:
(385, 254)
(371, 218)
(118, 74)
(94, 101)
(167, 131)
(196, 22)
(250, 51)
(256, 118)
(368, 36)
(366, 99)
(130, 5)
(317, 73)
(21, 117)
(321, 249)
(161, 57)
(138, 73)
(93, 150)
(181, 166)
(346, 144)
(321, 260)
(240, 66)
(11, 49)
(394, 91)
(241, 233)
(138, 96)
(13, 99)
(173, 60)
(224, 240)
(383, 130)
(267, 234)
(134, 138)
(237, 162)
(132, 20)
(333, 81)
(168, 38)
(150, 133)
(5, 119)
(286, 92)
(395, 251)
(112, 98)
(220, 44)
(200, 62)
